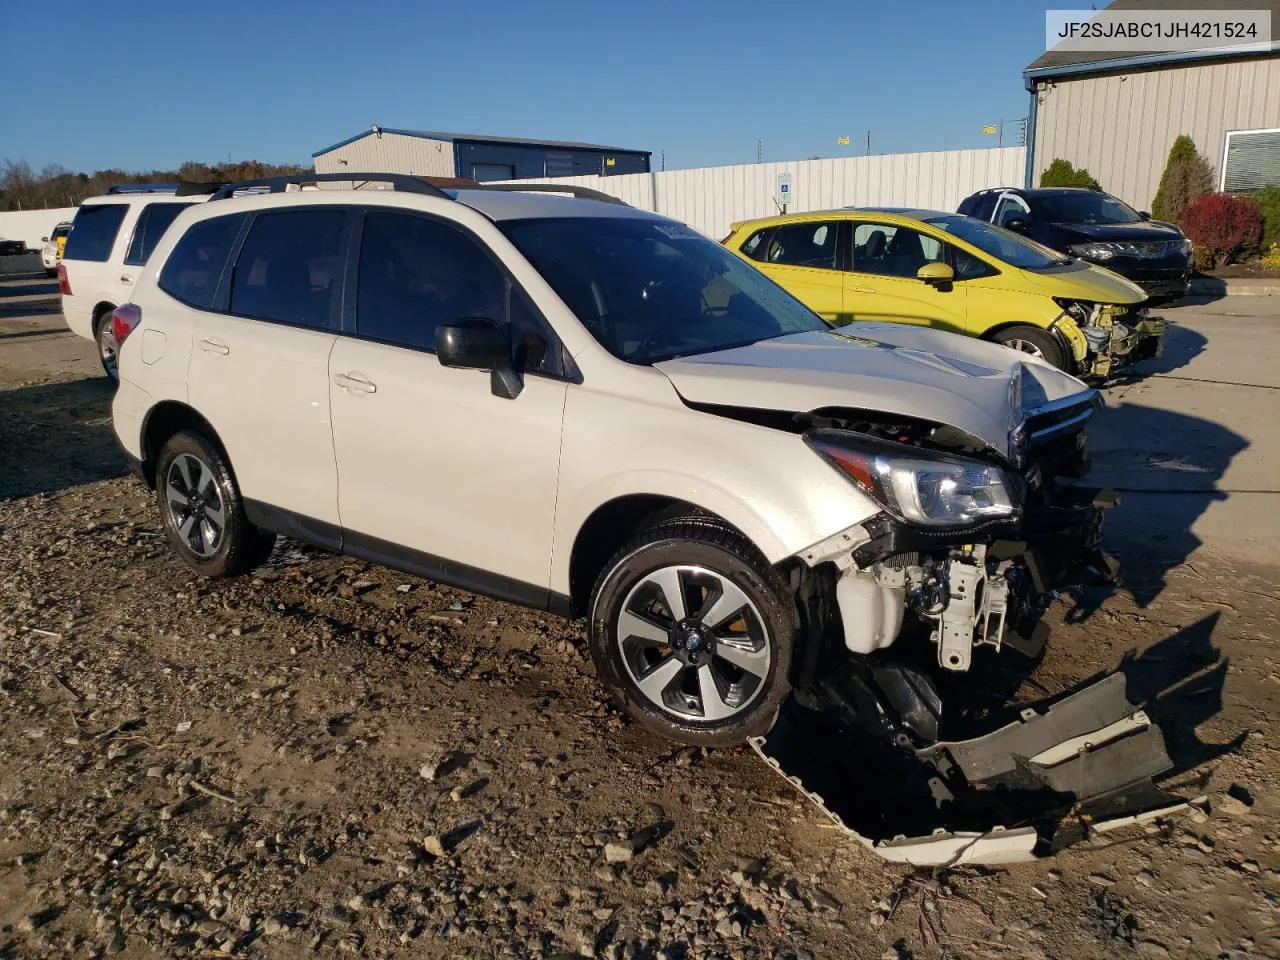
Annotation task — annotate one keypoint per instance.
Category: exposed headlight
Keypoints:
(919, 486)
(1185, 246)
(1094, 251)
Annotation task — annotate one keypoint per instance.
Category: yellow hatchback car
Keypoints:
(959, 274)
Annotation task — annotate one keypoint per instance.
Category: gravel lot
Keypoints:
(332, 759)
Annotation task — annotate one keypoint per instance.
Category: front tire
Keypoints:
(692, 630)
(202, 511)
(1033, 340)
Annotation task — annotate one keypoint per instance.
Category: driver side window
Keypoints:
(891, 251)
(1009, 208)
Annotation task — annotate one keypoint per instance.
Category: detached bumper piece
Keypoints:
(1055, 775)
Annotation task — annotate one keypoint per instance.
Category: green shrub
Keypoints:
(1268, 199)
(1061, 173)
(1187, 176)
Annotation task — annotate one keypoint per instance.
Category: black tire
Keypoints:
(50, 273)
(762, 632)
(233, 549)
(1023, 337)
(107, 348)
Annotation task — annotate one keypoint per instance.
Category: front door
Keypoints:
(435, 471)
(883, 284)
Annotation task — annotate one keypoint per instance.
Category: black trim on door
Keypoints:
(333, 538)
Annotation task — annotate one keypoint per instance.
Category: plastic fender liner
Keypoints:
(1054, 776)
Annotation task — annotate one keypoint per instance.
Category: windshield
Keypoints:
(1084, 207)
(1000, 243)
(650, 290)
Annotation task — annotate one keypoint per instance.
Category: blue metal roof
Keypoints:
(483, 138)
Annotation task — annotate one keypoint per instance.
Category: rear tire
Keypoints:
(1033, 340)
(202, 511)
(692, 631)
(108, 349)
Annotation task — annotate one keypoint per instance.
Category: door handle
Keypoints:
(125, 278)
(863, 289)
(214, 346)
(355, 383)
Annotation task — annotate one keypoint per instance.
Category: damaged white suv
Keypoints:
(591, 409)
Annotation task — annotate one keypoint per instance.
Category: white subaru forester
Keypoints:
(592, 409)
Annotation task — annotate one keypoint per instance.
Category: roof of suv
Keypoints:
(536, 206)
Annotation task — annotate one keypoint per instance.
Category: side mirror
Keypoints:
(1144, 214)
(478, 343)
(1017, 225)
(936, 274)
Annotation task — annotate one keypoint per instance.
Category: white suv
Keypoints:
(594, 410)
(110, 239)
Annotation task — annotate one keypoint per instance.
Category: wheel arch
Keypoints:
(164, 420)
(100, 309)
(613, 523)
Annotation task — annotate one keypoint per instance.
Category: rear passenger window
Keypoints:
(417, 274)
(196, 262)
(755, 246)
(93, 232)
(803, 245)
(152, 223)
(290, 268)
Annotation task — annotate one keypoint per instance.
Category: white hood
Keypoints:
(984, 389)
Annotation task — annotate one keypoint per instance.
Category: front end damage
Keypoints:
(1056, 774)
(862, 735)
(1114, 337)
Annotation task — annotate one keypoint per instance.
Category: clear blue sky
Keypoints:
(141, 84)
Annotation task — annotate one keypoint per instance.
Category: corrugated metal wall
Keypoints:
(1121, 126)
(711, 198)
(390, 153)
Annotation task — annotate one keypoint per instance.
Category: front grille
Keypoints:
(1146, 249)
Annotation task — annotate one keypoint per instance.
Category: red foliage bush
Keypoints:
(1222, 226)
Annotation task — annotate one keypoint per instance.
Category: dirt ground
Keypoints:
(330, 758)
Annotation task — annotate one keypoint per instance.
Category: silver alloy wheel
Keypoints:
(107, 349)
(693, 643)
(1025, 346)
(195, 504)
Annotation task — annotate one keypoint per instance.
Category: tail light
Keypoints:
(124, 320)
(64, 284)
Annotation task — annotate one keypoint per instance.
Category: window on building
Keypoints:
(1251, 160)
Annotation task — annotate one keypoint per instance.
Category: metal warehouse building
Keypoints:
(429, 153)
(1117, 114)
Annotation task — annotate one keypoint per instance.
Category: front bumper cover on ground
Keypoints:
(1055, 775)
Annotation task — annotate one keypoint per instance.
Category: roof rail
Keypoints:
(143, 188)
(192, 188)
(399, 181)
(582, 193)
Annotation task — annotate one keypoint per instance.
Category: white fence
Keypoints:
(711, 198)
(30, 226)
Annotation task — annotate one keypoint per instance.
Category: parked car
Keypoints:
(12, 248)
(54, 244)
(592, 409)
(110, 239)
(1093, 226)
(958, 274)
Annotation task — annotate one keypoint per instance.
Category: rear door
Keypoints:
(804, 258)
(882, 284)
(435, 471)
(260, 370)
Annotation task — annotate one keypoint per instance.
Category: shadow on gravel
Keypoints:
(1168, 468)
(57, 435)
